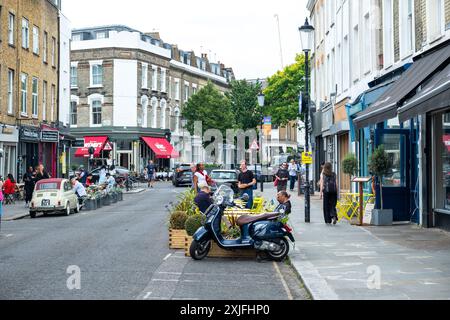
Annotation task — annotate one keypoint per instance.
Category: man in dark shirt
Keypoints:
(203, 199)
(246, 180)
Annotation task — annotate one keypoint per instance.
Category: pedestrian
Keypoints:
(150, 174)
(9, 188)
(41, 174)
(282, 177)
(83, 176)
(110, 182)
(284, 202)
(246, 181)
(102, 175)
(200, 177)
(28, 179)
(293, 170)
(328, 192)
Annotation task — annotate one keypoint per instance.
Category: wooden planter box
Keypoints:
(217, 252)
(177, 239)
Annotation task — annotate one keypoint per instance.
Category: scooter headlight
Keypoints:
(220, 200)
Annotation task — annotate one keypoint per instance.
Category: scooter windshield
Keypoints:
(223, 195)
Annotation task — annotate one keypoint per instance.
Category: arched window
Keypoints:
(154, 105)
(163, 106)
(144, 104)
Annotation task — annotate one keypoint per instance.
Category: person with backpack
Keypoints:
(328, 192)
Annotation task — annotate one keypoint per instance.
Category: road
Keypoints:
(121, 252)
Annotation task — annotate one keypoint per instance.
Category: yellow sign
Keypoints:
(307, 158)
(62, 160)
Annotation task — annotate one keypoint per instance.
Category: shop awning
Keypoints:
(386, 106)
(434, 96)
(97, 142)
(161, 147)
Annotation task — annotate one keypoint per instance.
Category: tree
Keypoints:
(350, 165)
(210, 107)
(380, 165)
(243, 98)
(283, 91)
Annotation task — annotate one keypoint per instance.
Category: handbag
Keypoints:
(275, 183)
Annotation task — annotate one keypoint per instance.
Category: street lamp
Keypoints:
(261, 101)
(306, 38)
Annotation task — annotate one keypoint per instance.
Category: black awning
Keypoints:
(434, 96)
(386, 106)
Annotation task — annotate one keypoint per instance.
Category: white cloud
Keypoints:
(242, 34)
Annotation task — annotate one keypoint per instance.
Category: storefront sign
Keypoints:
(7, 130)
(29, 134)
(49, 136)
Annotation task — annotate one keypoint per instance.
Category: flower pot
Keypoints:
(90, 204)
(114, 198)
(382, 217)
(120, 196)
(106, 201)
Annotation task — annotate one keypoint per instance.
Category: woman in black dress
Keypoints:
(28, 179)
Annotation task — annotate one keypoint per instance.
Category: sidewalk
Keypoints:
(14, 211)
(341, 262)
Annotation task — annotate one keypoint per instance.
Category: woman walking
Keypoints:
(328, 192)
(282, 177)
(28, 179)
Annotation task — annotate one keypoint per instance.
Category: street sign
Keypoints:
(307, 158)
(108, 146)
(267, 127)
(254, 145)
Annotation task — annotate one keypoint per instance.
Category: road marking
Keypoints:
(286, 288)
(167, 257)
(147, 295)
(166, 280)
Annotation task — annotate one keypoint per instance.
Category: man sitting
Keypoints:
(110, 181)
(203, 199)
(79, 189)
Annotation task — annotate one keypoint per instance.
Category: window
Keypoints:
(388, 31)
(163, 80)
(74, 76)
(44, 100)
(24, 91)
(194, 89)
(186, 91)
(96, 74)
(11, 26)
(406, 28)
(366, 51)
(441, 155)
(101, 35)
(155, 78)
(35, 40)
(25, 34)
(34, 104)
(76, 37)
(96, 106)
(177, 89)
(45, 47)
(10, 91)
(53, 103)
(53, 51)
(73, 113)
(144, 76)
(435, 19)
(355, 51)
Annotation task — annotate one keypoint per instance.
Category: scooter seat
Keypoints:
(243, 220)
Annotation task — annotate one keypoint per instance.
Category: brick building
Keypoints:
(29, 71)
(128, 88)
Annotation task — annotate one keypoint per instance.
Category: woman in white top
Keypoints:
(200, 176)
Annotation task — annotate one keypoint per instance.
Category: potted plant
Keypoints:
(350, 166)
(380, 165)
(106, 200)
(119, 194)
(113, 196)
(91, 203)
(193, 223)
(177, 232)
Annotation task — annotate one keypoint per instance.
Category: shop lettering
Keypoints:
(160, 147)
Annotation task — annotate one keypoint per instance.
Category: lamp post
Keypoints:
(261, 100)
(306, 38)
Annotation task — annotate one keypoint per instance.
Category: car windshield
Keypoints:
(220, 175)
(48, 186)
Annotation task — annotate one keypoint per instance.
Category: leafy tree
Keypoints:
(243, 98)
(380, 165)
(283, 91)
(211, 107)
(350, 165)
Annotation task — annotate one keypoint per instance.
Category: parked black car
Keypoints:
(182, 175)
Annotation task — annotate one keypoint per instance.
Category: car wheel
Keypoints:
(32, 214)
(67, 211)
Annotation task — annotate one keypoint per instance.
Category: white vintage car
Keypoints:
(54, 195)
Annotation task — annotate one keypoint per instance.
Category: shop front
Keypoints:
(28, 154)
(161, 151)
(9, 137)
(48, 149)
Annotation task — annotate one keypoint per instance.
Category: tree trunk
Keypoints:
(381, 195)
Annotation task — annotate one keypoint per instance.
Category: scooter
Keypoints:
(263, 232)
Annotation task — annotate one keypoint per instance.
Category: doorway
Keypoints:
(124, 159)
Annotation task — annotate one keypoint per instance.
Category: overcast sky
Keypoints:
(242, 34)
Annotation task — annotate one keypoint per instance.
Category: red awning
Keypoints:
(161, 147)
(97, 142)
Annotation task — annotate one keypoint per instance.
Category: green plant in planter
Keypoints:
(178, 220)
(193, 223)
(380, 165)
(186, 203)
(350, 165)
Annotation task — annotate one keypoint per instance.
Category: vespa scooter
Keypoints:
(263, 232)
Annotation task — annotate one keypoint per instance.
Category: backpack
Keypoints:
(329, 184)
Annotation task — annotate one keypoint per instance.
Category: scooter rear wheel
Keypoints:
(199, 251)
(281, 254)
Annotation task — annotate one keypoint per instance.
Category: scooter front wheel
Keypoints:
(281, 254)
(199, 251)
